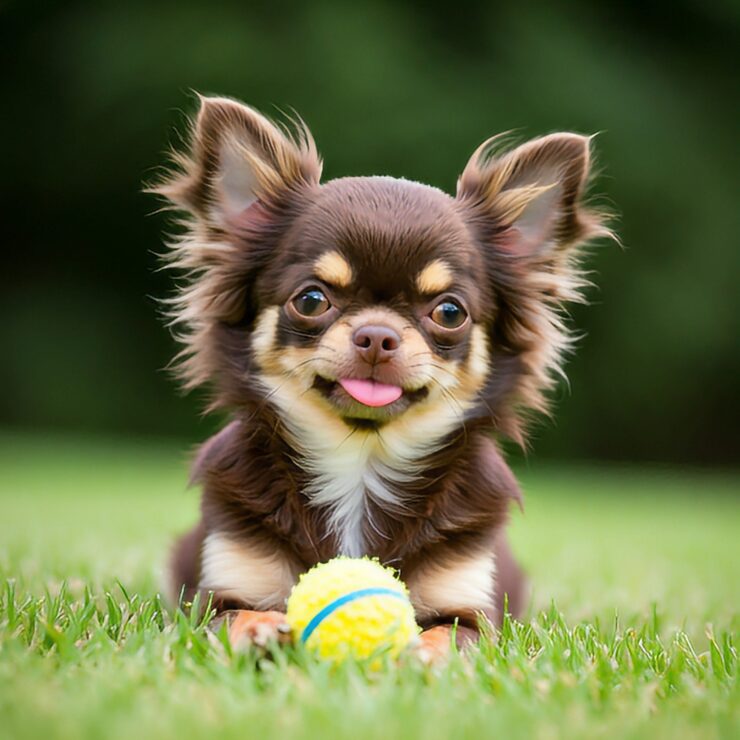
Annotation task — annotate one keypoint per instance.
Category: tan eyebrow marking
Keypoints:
(435, 277)
(333, 268)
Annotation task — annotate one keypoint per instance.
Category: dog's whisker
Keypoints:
(454, 406)
(354, 429)
(303, 363)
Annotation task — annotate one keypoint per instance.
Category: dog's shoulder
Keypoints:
(213, 450)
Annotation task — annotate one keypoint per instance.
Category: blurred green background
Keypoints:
(94, 92)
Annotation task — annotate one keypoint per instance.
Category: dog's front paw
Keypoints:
(435, 645)
(246, 628)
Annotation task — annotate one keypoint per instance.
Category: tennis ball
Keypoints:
(351, 608)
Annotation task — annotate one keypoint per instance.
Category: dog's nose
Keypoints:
(376, 343)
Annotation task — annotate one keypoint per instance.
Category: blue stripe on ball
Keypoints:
(332, 606)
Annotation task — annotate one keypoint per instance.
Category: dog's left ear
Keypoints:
(526, 209)
(529, 198)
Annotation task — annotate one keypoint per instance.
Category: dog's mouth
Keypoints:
(365, 399)
(371, 392)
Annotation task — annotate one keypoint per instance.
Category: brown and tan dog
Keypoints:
(370, 337)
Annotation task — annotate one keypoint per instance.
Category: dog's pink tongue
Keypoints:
(371, 393)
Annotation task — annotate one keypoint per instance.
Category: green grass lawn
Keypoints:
(631, 632)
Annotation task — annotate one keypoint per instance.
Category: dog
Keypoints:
(371, 339)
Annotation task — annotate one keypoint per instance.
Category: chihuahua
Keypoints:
(372, 339)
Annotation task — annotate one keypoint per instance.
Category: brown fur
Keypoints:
(260, 223)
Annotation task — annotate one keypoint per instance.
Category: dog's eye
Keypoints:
(449, 314)
(311, 302)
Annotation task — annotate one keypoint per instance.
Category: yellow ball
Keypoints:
(351, 608)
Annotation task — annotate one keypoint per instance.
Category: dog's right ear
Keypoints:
(239, 158)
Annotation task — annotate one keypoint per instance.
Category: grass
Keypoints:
(642, 643)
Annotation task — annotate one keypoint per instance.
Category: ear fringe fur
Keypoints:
(279, 155)
(531, 327)
(213, 262)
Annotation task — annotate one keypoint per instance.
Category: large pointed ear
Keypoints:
(531, 195)
(238, 158)
(526, 208)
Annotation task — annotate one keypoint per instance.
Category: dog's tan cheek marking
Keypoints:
(332, 268)
(464, 381)
(265, 331)
(245, 572)
(464, 582)
(435, 277)
(298, 362)
(278, 360)
(479, 359)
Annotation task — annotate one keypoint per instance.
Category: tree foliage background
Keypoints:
(95, 91)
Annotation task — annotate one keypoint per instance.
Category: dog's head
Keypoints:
(373, 301)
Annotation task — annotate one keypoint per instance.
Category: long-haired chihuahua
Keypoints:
(371, 339)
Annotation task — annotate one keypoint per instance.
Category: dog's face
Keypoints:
(369, 301)
(370, 305)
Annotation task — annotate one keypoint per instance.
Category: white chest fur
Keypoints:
(345, 480)
(350, 467)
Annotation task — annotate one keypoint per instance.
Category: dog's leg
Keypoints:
(435, 643)
(511, 583)
(247, 627)
(185, 565)
(238, 573)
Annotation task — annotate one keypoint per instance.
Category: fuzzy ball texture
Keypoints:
(335, 602)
